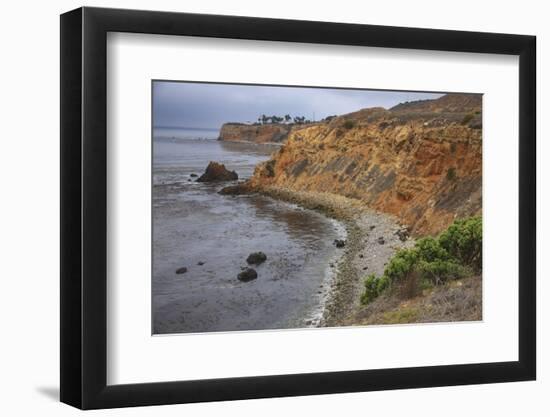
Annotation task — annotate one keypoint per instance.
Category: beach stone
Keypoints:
(256, 258)
(381, 240)
(181, 270)
(403, 234)
(217, 172)
(193, 175)
(339, 243)
(200, 263)
(247, 275)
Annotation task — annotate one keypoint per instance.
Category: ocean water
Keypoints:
(192, 223)
(185, 133)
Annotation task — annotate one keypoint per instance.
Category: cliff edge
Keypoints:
(269, 133)
(420, 161)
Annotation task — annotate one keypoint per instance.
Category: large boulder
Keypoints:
(248, 274)
(256, 258)
(217, 172)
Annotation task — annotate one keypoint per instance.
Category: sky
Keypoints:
(204, 105)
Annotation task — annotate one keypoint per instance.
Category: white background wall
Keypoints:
(29, 225)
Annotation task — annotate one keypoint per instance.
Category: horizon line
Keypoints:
(186, 127)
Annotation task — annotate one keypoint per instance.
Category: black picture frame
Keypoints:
(84, 207)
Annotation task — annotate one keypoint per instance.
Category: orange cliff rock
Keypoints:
(420, 161)
(270, 133)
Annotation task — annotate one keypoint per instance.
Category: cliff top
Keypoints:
(449, 103)
(457, 108)
(460, 103)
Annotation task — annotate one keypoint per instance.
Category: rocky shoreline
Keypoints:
(372, 238)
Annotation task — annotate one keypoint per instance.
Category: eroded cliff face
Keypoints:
(418, 161)
(271, 133)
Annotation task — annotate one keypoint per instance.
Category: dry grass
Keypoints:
(458, 300)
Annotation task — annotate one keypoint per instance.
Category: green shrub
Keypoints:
(401, 264)
(451, 174)
(382, 283)
(455, 253)
(463, 241)
(440, 271)
(430, 250)
(349, 124)
(371, 289)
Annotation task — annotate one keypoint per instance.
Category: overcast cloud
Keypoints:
(181, 104)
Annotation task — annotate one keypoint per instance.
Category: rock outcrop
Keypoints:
(270, 133)
(420, 161)
(248, 274)
(256, 258)
(217, 172)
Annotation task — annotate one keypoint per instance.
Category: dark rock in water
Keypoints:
(372, 227)
(247, 275)
(200, 263)
(256, 258)
(339, 243)
(217, 172)
(181, 270)
(239, 189)
(381, 240)
(193, 175)
(403, 234)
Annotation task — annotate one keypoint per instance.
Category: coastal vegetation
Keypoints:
(286, 119)
(455, 253)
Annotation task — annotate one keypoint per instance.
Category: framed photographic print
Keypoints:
(256, 208)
